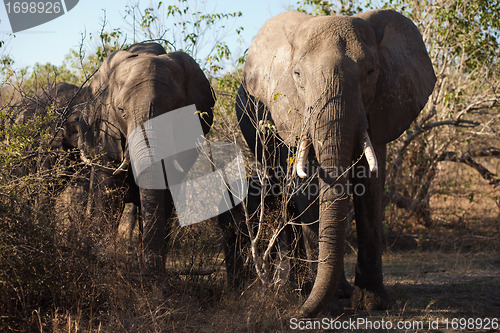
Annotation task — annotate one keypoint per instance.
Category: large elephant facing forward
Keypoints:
(344, 87)
(130, 88)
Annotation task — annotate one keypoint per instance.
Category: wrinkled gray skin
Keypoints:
(328, 79)
(130, 88)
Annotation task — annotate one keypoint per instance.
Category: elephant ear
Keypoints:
(268, 75)
(197, 88)
(406, 76)
(97, 134)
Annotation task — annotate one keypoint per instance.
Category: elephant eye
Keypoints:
(371, 70)
(298, 79)
(122, 112)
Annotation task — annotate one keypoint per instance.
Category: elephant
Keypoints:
(54, 110)
(51, 116)
(66, 100)
(131, 87)
(330, 90)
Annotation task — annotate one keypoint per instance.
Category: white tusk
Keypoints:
(123, 166)
(302, 155)
(369, 152)
(84, 158)
(177, 166)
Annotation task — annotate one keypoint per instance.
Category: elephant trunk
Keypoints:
(154, 215)
(155, 200)
(333, 138)
(331, 237)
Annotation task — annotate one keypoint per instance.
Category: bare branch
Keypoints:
(421, 129)
(467, 159)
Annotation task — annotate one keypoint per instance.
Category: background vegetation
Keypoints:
(62, 272)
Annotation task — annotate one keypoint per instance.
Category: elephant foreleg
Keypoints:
(235, 235)
(369, 291)
(231, 224)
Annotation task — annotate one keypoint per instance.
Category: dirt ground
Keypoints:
(448, 286)
(431, 291)
(426, 286)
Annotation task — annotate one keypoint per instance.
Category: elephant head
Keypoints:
(130, 88)
(66, 99)
(135, 85)
(336, 84)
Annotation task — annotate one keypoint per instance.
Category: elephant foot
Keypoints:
(369, 299)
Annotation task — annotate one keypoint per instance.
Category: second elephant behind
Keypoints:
(130, 88)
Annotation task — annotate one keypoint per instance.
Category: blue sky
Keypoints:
(51, 41)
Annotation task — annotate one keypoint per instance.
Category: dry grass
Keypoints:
(450, 271)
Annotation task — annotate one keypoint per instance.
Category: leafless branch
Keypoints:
(467, 159)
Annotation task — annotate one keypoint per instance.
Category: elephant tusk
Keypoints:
(369, 152)
(123, 166)
(177, 166)
(302, 155)
(84, 158)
